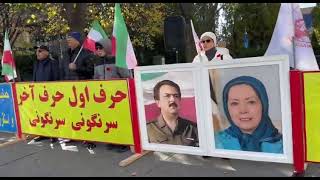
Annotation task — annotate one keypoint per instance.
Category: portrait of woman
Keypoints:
(246, 107)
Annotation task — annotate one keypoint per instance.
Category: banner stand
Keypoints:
(132, 158)
(19, 136)
(298, 116)
(138, 153)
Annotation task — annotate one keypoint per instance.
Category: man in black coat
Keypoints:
(45, 69)
(78, 62)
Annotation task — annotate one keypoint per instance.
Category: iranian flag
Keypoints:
(7, 61)
(183, 79)
(95, 34)
(196, 38)
(121, 44)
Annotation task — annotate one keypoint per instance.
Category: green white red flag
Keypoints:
(7, 61)
(121, 44)
(95, 34)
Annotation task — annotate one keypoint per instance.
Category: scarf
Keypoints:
(211, 53)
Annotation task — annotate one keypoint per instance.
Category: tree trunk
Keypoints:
(75, 15)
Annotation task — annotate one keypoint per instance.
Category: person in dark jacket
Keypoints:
(77, 63)
(45, 69)
(105, 64)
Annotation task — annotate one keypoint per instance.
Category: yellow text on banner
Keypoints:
(312, 114)
(84, 110)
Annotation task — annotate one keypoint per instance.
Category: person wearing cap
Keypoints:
(104, 64)
(210, 51)
(105, 68)
(45, 68)
(77, 64)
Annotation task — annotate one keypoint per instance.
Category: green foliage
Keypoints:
(316, 24)
(24, 65)
(144, 20)
(315, 43)
(258, 19)
(250, 52)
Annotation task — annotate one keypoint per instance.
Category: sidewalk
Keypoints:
(72, 159)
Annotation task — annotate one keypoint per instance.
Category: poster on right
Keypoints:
(249, 109)
(312, 114)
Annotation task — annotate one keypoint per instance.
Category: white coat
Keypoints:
(224, 52)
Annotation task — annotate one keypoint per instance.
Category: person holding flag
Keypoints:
(105, 68)
(77, 64)
(210, 50)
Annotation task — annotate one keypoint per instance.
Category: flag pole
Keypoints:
(75, 59)
(293, 39)
(12, 73)
(195, 39)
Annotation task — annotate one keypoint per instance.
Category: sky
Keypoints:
(304, 5)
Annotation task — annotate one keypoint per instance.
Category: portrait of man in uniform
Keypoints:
(169, 127)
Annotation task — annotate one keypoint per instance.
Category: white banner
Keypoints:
(290, 36)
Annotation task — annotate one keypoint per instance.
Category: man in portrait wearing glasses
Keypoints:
(45, 68)
(169, 127)
(210, 51)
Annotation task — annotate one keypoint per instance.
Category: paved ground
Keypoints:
(26, 158)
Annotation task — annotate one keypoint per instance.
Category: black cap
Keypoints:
(42, 47)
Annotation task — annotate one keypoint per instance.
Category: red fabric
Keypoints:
(297, 108)
(134, 115)
(90, 45)
(8, 59)
(113, 42)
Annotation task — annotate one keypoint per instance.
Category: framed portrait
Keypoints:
(170, 110)
(248, 114)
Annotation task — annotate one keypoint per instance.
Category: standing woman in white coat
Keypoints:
(210, 50)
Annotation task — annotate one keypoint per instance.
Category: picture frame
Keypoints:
(187, 76)
(273, 72)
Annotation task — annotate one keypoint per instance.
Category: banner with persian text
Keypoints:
(84, 110)
(7, 114)
(312, 114)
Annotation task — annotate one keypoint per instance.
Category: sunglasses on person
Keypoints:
(207, 41)
(40, 50)
(99, 47)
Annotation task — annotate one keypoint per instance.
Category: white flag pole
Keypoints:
(293, 37)
(75, 59)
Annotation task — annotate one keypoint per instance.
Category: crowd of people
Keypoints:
(81, 64)
(78, 64)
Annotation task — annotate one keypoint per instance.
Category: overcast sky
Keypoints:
(304, 5)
